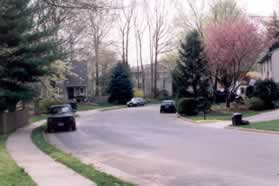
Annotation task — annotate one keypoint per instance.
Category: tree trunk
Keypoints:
(90, 79)
(228, 99)
(142, 67)
(156, 67)
(97, 92)
(138, 70)
(155, 74)
(123, 49)
(228, 103)
(215, 88)
(127, 46)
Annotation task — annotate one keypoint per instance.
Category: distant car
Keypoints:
(135, 102)
(61, 117)
(168, 106)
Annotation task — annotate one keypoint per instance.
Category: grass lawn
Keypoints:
(88, 171)
(10, 173)
(267, 125)
(219, 112)
(223, 116)
(84, 107)
(38, 118)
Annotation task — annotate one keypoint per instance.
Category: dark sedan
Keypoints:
(61, 117)
(168, 106)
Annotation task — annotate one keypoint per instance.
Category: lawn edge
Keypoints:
(69, 156)
(253, 130)
(193, 122)
(5, 149)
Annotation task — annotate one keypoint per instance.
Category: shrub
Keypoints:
(256, 104)
(138, 93)
(203, 104)
(43, 104)
(188, 106)
(267, 91)
(250, 91)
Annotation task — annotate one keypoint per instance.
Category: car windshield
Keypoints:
(168, 102)
(136, 99)
(59, 110)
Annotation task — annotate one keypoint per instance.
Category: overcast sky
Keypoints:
(253, 7)
(260, 7)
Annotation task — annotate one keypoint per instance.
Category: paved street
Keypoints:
(164, 150)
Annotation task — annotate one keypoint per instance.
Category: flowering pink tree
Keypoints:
(233, 47)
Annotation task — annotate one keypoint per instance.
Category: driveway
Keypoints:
(159, 149)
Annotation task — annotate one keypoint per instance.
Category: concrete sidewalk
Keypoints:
(43, 170)
(265, 116)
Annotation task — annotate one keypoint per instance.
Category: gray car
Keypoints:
(135, 102)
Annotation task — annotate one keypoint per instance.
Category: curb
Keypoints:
(252, 130)
(191, 122)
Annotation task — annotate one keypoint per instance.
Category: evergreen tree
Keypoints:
(120, 87)
(25, 52)
(191, 75)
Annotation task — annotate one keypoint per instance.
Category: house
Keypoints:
(81, 87)
(75, 87)
(164, 80)
(268, 66)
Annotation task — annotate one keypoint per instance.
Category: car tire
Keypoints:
(73, 127)
(50, 130)
(161, 111)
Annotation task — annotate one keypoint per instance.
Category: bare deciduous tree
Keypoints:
(100, 23)
(140, 27)
(191, 15)
(125, 18)
(81, 4)
(160, 37)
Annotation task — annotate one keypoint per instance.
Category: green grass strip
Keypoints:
(37, 118)
(225, 116)
(268, 125)
(88, 171)
(10, 173)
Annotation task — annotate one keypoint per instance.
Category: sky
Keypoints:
(260, 7)
(252, 7)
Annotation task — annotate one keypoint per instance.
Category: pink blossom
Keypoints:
(234, 46)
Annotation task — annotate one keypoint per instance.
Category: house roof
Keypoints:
(265, 56)
(79, 75)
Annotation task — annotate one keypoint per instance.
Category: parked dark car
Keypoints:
(168, 106)
(221, 96)
(61, 117)
(135, 102)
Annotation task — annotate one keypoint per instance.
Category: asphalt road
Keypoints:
(161, 149)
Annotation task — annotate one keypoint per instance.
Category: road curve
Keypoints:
(160, 149)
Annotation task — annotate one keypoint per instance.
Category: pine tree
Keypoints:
(25, 52)
(191, 75)
(120, 87)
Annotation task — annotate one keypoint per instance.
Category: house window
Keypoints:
(81, 91)
(164, 84)
(242, 90)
